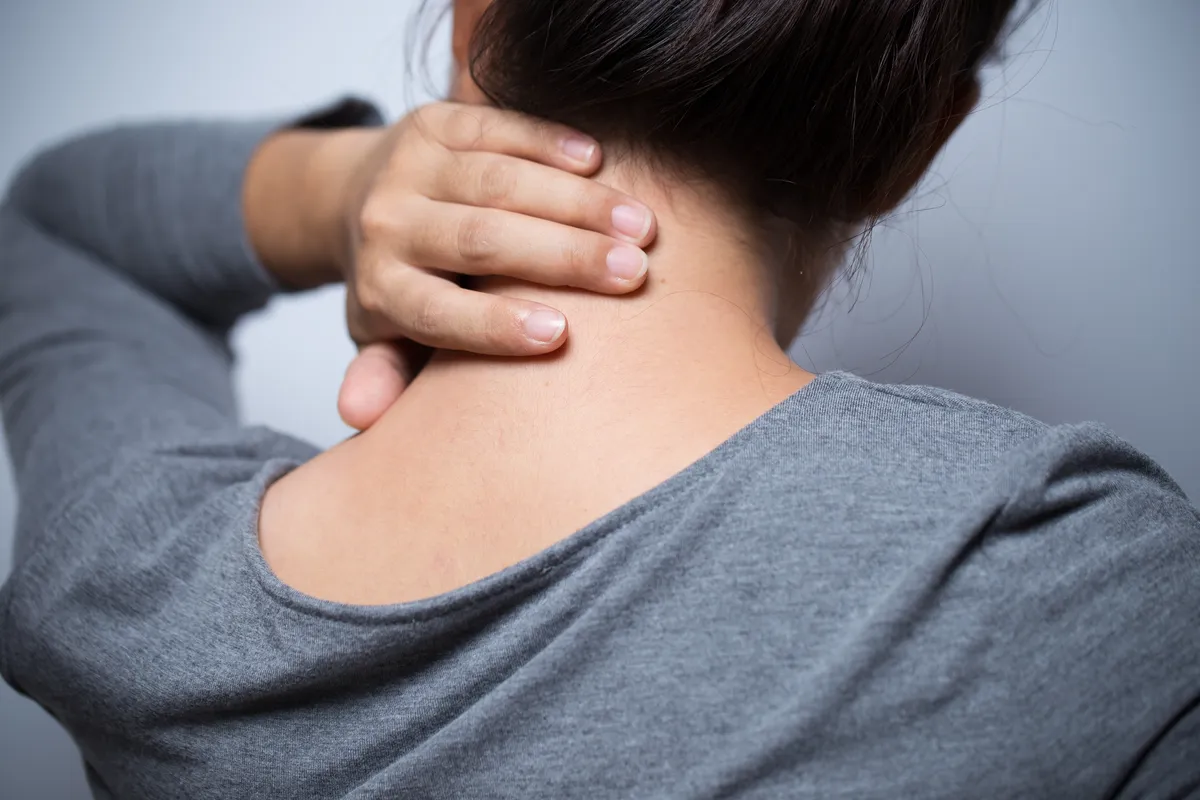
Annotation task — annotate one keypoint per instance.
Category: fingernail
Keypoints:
(545, 326)
(627, 263)
(578, 148)
(633, 222)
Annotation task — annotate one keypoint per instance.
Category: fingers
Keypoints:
(374, 381)
(489, 192)
(481, 241)
(376, 378)
(469, 127)
(437, 313)
(486, 180)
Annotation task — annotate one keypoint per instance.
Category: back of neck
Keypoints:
(484, 461)
(692, 352)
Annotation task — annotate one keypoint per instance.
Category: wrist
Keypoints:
(333, 172)
(273, 201)
(295, 191)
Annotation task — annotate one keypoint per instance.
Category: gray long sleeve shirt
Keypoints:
(871, 592)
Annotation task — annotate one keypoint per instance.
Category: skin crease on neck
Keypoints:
(484, 462)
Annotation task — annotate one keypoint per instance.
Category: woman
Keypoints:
(660, 560)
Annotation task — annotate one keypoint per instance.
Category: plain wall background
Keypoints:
(1052, 266)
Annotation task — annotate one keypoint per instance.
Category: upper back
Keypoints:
(871, 591)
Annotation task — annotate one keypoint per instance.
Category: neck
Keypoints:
(485, 461)
(645, 384)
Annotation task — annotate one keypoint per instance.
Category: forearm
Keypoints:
(294, 197)
(158, 204)
(163, 205)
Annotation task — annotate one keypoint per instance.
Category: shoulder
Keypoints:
(1032, 471)
(171, 478)
(905, 445)
(146, 509)
(1094, 560)
(931, 427)
(945, 417)
(158, 482)
(1068, 556)
(131, 558)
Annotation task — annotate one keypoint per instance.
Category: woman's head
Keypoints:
(814, 110)
(810, 117)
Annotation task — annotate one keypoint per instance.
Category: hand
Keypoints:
(471, 190)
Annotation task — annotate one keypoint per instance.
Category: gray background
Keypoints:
(1048, 264)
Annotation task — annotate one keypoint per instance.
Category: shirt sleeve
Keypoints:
(123, 264)
(1107, 615)
(1169, 768)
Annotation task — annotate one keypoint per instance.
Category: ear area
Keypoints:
(467, 14)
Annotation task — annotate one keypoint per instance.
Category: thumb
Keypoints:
(374, 381)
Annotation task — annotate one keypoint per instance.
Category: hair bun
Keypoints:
(816, 108)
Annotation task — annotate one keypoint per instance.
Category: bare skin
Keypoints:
(646, 385)
(483, 461)
(450, 189)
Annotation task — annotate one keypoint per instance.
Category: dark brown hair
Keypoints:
(818, 110)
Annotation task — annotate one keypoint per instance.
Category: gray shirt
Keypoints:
(871, 591)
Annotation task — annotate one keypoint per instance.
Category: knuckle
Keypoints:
(370, 299)
(369, 294)
(429, 317)
(589, 204)
(360, 332)
(497, 181)
(453, 169)
(430, 117)
(419, 125)
(424, 115)
(368, 290)
(475, 239)
(462, 130)
(580, 256)
(375, 219)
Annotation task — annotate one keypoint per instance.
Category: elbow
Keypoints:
(36, 179)
(51, 187)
